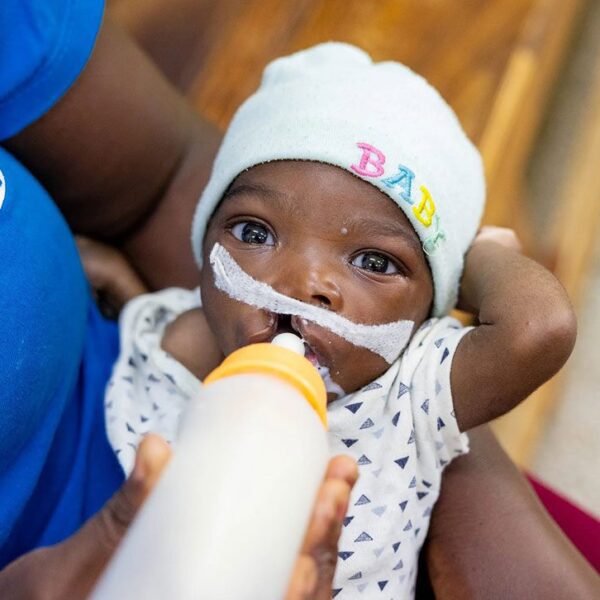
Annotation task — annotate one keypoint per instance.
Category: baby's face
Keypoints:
(318, 234)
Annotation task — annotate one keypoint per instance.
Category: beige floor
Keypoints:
(568, 456)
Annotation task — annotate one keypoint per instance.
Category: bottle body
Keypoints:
(229, 514)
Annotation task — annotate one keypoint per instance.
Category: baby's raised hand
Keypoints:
(525, 330)
(500, 235)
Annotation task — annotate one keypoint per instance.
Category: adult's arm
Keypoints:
(125, 158)
(491, 538)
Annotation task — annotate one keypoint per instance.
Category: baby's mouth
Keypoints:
(310, 355)
(283, 324)
(293, 324)
(313, 350)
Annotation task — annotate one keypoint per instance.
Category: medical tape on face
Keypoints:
(387, 340)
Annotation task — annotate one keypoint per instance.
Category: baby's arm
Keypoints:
(526, 329)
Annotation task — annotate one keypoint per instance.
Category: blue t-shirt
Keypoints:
(56, 350)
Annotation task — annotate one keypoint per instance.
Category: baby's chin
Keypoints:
(343, 383)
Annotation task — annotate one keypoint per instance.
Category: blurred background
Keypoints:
(524, 78)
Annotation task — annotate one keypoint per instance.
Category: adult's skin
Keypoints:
(489, 537)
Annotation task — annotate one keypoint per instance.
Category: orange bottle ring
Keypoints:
(279, 362)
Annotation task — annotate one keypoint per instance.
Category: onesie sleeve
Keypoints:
(436, 428)
(44, 45)
(148, 390)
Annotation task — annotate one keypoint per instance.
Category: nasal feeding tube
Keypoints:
(387, 340)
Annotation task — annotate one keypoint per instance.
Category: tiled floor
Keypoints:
(569, 452)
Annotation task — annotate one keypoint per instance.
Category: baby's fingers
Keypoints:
(111, 276)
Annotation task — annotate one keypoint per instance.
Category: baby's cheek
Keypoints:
(215, 311)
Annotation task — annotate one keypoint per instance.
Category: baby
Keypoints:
(343, 206)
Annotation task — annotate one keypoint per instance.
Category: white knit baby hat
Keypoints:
(381, 122)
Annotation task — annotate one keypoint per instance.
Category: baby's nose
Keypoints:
(325, 294)
(313, 284)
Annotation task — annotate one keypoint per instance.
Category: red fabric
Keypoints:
(580, 527)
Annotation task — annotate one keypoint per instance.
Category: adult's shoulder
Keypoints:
(45, 45)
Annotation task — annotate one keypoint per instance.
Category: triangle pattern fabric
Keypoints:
(401, 462)
(353, 408)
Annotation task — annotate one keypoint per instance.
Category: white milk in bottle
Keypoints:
(228, 516)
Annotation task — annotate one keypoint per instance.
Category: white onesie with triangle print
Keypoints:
(400, 429)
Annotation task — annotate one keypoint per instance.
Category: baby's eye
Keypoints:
(375, 262)
(253, 233)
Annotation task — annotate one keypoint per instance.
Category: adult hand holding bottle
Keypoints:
(70, 569)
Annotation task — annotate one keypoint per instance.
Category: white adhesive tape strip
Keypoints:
(387, 340)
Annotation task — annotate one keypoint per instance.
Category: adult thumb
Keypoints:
(93, 545)
(111, 523)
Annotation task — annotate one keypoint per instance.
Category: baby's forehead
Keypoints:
(303, 182)
(306, 188)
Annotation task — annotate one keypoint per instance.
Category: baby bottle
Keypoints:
(228, 516)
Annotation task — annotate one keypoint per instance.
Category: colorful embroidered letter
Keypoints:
(404, 178)
(432, 243)
(371, 161)
(425, 210)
